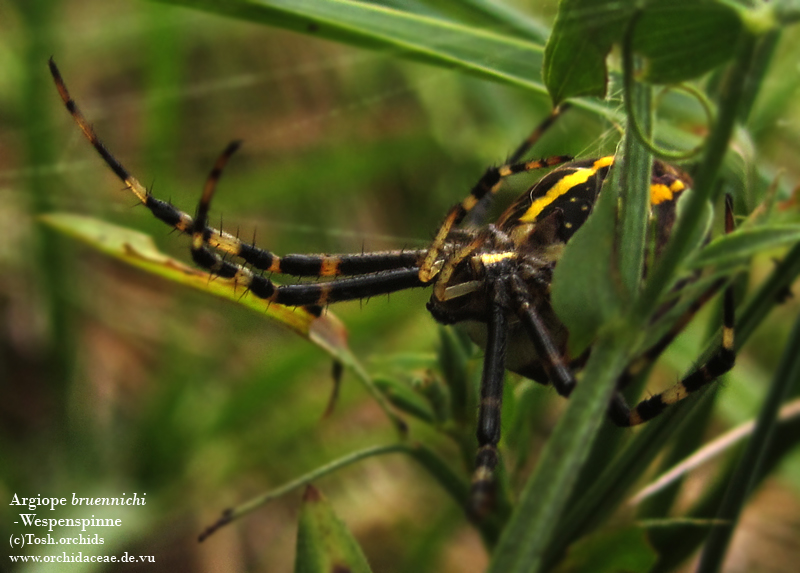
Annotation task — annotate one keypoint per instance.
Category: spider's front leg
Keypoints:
(487, 186)
(508, 294)
(550, 357)
(483, 486)
(368, 274)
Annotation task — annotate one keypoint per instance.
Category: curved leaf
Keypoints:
(610, 551)
(324, 544)
(679, 40)
(683, 39)
(499, 57)
(739, 246)
(138, 249)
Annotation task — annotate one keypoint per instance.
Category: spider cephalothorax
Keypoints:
(495, 279)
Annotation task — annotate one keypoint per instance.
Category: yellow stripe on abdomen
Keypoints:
(562, 186)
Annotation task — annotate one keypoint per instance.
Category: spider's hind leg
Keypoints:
(720, 362)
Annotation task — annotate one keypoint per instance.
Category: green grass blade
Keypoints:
(611, 487)
(504, 18)
(677, 545)
(787, 378)
(702, 455)
(436, 467)
(526, 538)
(499, 57)
(763, 301)
(514, 59)
(739, 246)
(481, 13)
(324, 544)
(138, 249)
(234, 513)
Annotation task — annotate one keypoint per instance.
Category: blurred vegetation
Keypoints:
(116, 381)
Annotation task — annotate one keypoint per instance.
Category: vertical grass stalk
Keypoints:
(745, 477)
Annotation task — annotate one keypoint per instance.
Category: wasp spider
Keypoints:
(493, 279)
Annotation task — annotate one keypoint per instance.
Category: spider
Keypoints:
(493, 279)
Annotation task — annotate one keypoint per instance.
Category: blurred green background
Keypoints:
(115, 381)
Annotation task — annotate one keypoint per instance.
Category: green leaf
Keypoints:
(610, 551)
(683, 39)
(583, 33)
(524, 543)
(441, 42)
(746, 476)
(485, 14)
(324, 544)
(739, 246)
(402, 397)
(678, 39)
(138, 250)
(435, 465)
(584, 294)
(611, 486)
(454, 354)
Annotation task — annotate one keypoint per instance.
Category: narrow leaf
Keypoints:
(610, 552)
(746, 476)
(585, 295)
(739, 246)
(324, 544)
(441, 42)
(404, 398)
(138, 249)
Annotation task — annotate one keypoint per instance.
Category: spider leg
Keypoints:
(316, 294)
(161, 209)
(488, 433)
(478, 213)
(650, 355)
(486, 187)
(551, 358)
(537, 133)
(619, 412)
(296, 265)
(719, 363)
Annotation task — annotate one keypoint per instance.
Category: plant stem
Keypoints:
(525, 539)
(745, 477)
(704, 184)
